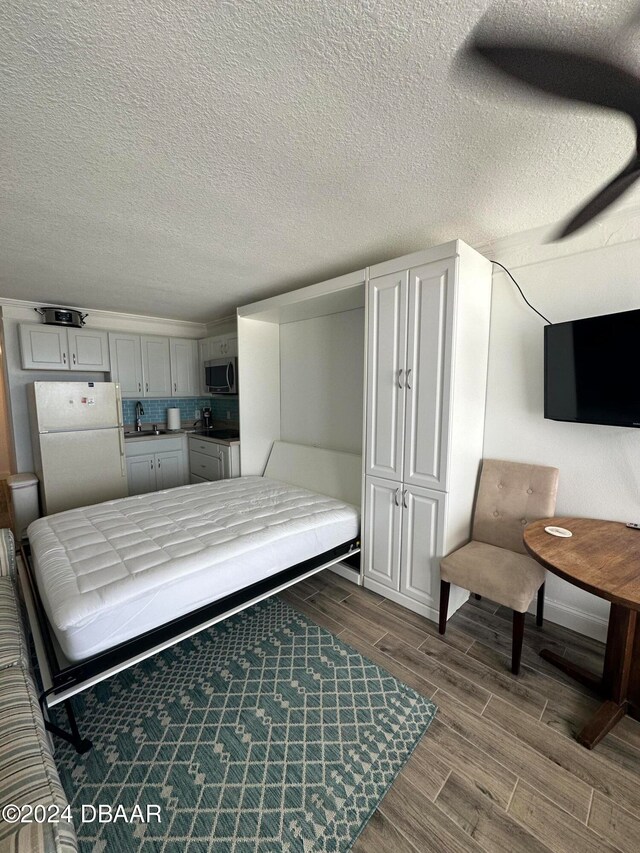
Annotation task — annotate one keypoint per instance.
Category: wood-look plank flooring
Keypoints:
(499, 769)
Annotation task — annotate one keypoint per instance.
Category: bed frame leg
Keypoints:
(80, 744)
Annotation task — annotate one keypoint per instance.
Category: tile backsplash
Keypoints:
(155, 411)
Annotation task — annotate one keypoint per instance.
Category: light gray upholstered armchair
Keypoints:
(495, 563)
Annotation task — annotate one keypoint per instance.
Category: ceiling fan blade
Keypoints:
(565, 74)
(623, 181)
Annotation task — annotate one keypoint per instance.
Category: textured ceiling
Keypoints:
(178, 158)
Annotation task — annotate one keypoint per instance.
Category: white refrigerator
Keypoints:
(78, 443)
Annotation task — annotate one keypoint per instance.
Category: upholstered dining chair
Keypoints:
(495, 563)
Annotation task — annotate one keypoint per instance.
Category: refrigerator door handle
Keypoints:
(123, 461)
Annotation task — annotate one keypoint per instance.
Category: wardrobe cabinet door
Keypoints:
(422, 537)
(428, 378)
(383, 530)
(386, 351)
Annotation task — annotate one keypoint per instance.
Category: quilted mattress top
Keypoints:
(96, 557)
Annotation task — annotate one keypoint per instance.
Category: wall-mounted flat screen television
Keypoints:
(591, 370)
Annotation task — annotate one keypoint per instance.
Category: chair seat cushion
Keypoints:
(500, 575)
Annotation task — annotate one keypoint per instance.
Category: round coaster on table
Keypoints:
(559, 531)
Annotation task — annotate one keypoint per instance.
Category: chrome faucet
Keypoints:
(139, 413)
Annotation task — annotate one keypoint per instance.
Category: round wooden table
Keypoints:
(602, 557)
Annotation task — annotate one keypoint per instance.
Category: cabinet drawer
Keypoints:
(208, 448)
(208, 467)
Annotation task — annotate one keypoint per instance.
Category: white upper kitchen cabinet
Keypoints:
(156, 366)
(88, 349)
(126, 363)
(223, 345)
(185, 376)
(44, 347)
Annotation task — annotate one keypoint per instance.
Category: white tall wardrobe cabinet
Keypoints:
(427, 348)
(421, 404)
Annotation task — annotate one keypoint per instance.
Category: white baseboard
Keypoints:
(577, 620)
(347, 572)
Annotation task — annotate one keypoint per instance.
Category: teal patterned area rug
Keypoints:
(263, 734)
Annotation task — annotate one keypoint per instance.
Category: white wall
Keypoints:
(321, 381)
(595, 273)
(17, 379)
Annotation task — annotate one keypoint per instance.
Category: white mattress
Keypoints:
(109, 572)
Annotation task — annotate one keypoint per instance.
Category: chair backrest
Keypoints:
(510, 495)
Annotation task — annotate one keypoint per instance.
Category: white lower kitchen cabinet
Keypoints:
(155, 464)
(210, 460)
(404, 536)
(141, 474)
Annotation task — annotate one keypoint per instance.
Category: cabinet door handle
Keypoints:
(158, 463)
(74, 358)
(152, 464)
(400, 372)
(404, 499)
(146, 385)
(64, 358)
(175, 387)
(408, 377)
(395, 497)
(140, 387)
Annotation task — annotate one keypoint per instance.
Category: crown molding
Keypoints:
(613, 228)
(230, 323)
(23, 309)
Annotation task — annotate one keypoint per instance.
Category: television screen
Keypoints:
(590, 370)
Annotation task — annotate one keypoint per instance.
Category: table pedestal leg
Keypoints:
(584, 676)
(602, 722)
(618, 684)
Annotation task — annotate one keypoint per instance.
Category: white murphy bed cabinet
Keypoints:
(44, 347)
(426, 325)
(300, 359)
(153, 365)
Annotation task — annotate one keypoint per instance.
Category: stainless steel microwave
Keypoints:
(221, 375)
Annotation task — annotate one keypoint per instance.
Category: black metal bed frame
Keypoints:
(73, 675)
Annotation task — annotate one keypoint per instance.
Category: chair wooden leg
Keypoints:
(518, 637)
(540, 607)
(445, 588)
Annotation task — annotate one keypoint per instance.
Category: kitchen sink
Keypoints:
(145, 433)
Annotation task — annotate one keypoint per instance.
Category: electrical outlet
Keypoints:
(197, 413)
